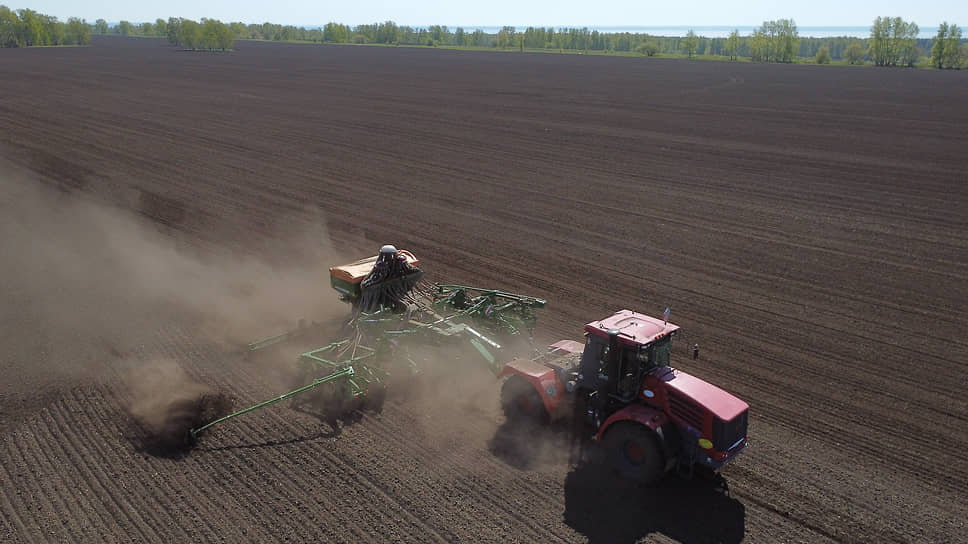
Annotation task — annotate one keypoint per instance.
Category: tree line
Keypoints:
(26, 28)
(209, 34)
(203, 35)
(892, 42)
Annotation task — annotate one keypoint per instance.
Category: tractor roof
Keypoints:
(634, 328)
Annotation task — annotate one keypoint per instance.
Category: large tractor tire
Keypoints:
(634, 451)
(522, 403)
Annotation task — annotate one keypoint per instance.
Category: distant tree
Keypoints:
(336, 33)
(10, 28)
(125, 28)
(174, 30)
(460, 37)
(101, 26)
(479, 38)
(823, 55)
(506, 37)
(946, 52)
(387, 32)
(775, 41)
(937, 50)
(854, 54)
(439, 34)
(241, 32)
(146, 29)
(893, 42)
(160, 28)
(788, 40)
(225, 37)
(54, 30)
(209, 34)
(190, 35)
(648, 48)
(690, 43)
(759, 46)
(77, 32)
(32, 30)
(952, 51)
(732, 44)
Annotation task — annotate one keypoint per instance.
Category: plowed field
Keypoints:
(806, 225)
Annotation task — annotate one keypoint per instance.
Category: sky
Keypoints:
(519, 13)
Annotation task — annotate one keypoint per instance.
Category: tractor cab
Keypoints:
(620, 351)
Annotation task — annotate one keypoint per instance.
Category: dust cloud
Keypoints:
(458, 398)
(167, 404)
(85, 287)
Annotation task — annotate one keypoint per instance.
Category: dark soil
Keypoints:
(806, 225)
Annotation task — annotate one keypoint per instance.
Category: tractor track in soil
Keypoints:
(806, 226)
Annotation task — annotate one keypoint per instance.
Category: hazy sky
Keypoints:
(927, 13)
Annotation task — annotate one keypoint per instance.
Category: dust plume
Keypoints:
(458, 397)
(86, 288)
(167, 404)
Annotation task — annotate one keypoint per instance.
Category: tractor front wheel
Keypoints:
(522, 403)
(634, 451)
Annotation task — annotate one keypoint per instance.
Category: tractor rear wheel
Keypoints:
(522, 403)
(634, 451)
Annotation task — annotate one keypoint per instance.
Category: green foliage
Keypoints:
(649, 48)
(173, 30)
(893, 42)
(10, 34)
(946, 52)
(479, 39)
(336, 33)
(505, 37)
(32, 30)
(209, 35)
(732, 44)
(823, 56)
(690, 43)
(775, 41)
(854, 54)
(77, 32)
(190, 35)
(25, 27)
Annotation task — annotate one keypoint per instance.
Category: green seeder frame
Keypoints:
(457, 313)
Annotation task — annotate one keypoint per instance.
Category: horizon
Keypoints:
(710, 31)
(499, 13)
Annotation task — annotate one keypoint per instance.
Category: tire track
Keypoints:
(252, 430)
(95, 476)
(52, 488)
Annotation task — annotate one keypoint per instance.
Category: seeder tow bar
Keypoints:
(345, 373)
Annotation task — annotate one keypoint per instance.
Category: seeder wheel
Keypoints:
(376, 395)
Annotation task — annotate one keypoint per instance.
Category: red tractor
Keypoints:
(648, 417)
